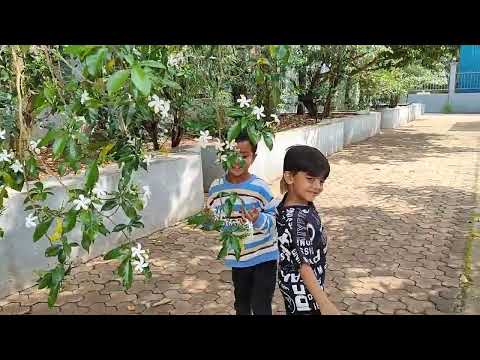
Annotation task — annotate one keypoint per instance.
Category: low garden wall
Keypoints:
(176, 184)
(360, 127)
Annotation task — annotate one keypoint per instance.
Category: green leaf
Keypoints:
(52, 250)
(228, 207)
(48, 138)
(102, 229)
(62, 169)
(53, 295)
(282, 52)
(116, 81)
(58, 230)
(268, 139)
(171, 84)
(88, 237)
(41, 229)
(109, 205)
(62, 256)
(153, 64)
(67, 248)
(69, 221)
(253, 134)
(45, 280)
(72, 150)
(31, 167)
(7, 178)
(95, 62)
(119, 227)
(129, 211)
(91, 176)
(59, 145)
(140, 80)
(24, 48)
(79, 50)
(259, 76)
(126, 272)
(223, 252)
(234, 131)
(244, 122)
(103, 154)
(116, 253)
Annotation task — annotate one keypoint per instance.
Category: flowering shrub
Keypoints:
(251, 119)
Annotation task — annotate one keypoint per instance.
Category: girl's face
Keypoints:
(303, 186)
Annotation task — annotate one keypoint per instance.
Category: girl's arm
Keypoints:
(308, 277)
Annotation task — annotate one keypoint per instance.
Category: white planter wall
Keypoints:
(395, 117)
(327, 137)
(268, 165)
(360, 127)
(176, 183)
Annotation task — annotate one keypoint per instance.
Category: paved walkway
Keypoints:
(396, 207)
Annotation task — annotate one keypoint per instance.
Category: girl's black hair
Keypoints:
(307, 159)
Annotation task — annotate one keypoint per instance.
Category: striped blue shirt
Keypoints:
(262, 245)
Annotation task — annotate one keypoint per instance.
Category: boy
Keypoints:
(254, 274)
(302, 239)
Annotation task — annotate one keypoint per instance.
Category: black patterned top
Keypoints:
(301, 239)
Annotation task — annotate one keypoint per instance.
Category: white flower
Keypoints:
(5, 156)
(159, 105)
(258, 111)
(175, 59)
(140, 265)
(85, 97)
(2, 134)
(155, 104)
(243, 101)
(31, 221)
(147, 194)
(275, 119)
(33, 147)
(219, 145)
(222, 158)
(148, 160)
(17, 167)
(213, 58)
(136, 52)
(230, 145)
(204, 137)
(81, 203)
(99, 192)
(137, 251)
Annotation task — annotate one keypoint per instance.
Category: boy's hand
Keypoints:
(251, 215)
(329, 309)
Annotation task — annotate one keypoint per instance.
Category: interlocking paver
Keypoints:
(396, 208)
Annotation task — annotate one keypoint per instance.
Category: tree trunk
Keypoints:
(347, 101)
(300, 108)
(307, 100)
(21, 143)
(301, 85)
(152, 129)
(327, 110)
(177, 129)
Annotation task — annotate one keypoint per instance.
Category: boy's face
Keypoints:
(304, 186)
(246, 151)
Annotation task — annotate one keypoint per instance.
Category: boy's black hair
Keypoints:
(307, 159)
(244, 137)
